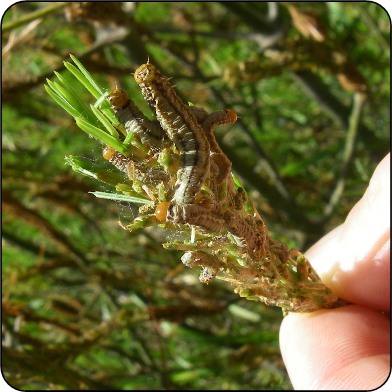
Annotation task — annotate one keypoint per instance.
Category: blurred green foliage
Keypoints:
(87, 305)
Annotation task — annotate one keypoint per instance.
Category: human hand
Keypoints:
(348, 347)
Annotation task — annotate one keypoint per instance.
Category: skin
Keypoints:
(348, 347)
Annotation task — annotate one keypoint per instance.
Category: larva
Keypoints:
(239, 199)
(134, 170)
(254, 240)
(133, 120)
(210, 264)
(217, 155)
(181, 127)
(200, 113)
(191, 214)
(280, 248)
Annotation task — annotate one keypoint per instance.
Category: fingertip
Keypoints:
(354, 259)
(330, 349)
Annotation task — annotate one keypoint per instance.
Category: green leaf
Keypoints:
(72, 97)
(95, 89)
(101, 135)
(105, 122)
(88, 169)
(83, 80)
(119, 197)
(61, 101)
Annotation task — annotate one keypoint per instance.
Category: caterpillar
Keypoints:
(199, 113)
(280, 248)
(195, 215)
(134, 170)
(210, 122)
(182, 128)
(247, 235)
(133, 120)
(191, 214)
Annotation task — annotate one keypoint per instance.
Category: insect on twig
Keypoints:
(177, 162)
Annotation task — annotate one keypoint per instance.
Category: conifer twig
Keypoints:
(176, 170)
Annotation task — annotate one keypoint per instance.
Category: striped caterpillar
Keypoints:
(134, 170)
(194, 143)
(246, 235)
(217, 155)
(191, 214)
(133, 120)
(199, 113)
(182, 129)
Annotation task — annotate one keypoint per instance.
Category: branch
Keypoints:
(320, 93)
(348, 153)
(34, 15)
(14, 207)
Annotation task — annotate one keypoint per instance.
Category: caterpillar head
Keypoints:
(161, 210)
(118, 98)
(232, 115)
(145, 73)
(108, 152)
